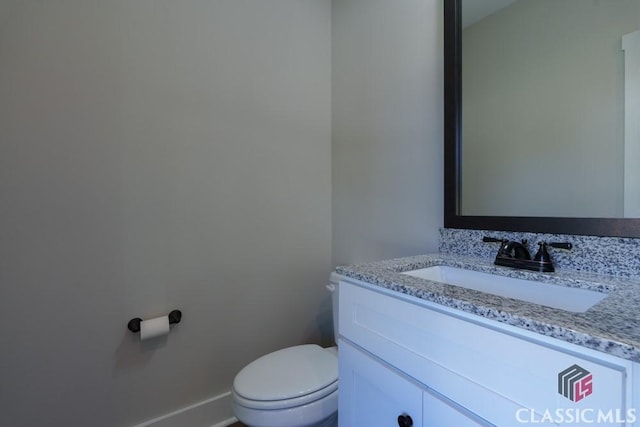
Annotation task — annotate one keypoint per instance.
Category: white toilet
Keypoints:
(292, 387)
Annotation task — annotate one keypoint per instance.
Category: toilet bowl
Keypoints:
(293, 387)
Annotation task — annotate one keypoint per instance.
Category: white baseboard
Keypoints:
(213, 412)
(226, 423)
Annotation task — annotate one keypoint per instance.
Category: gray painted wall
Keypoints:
(543, 84)
(159, 155)
(156, 155)
(387, 128)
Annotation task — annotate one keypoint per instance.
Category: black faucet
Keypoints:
(516, 255)
(514, 250)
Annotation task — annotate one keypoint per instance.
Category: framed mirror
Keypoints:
(540, 97)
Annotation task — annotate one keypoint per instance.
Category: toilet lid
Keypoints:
(288, 373)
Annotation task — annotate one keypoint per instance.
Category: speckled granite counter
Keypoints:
(611, 326)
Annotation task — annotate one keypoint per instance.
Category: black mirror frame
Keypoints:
(617, 227)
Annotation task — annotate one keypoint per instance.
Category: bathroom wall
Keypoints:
(155, 155)
(387, 128)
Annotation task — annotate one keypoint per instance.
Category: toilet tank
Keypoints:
(334, 280)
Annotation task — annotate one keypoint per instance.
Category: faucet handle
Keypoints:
(561, 245)
(542, 255)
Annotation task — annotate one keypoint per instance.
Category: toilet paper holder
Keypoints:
(174, 317)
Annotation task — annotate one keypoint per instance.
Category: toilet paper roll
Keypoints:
(155, 327)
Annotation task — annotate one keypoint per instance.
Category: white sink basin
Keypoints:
(566, 298)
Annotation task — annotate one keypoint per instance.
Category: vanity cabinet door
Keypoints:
(439, 412)
(374, 395)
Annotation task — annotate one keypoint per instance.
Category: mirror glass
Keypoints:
(549, 109)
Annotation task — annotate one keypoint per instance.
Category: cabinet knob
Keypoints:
(404, 420)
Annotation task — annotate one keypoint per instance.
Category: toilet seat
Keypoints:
(287, 378)
(287, 403)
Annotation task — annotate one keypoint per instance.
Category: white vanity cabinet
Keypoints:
(403, 356)
(378, 395)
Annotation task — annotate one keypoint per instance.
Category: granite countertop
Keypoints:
(611, 326)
